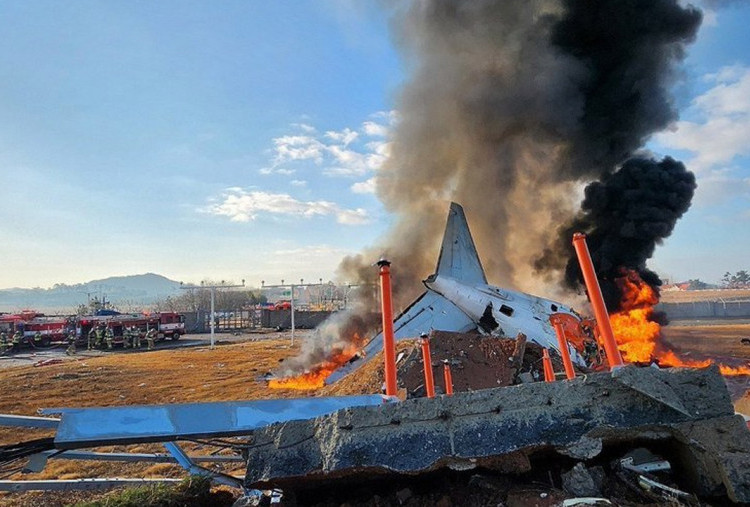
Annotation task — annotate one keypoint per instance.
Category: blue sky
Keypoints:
(239, 140)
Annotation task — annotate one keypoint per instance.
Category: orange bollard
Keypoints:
(597, 300)
(389, 343)
(429, 383)
(549, 373)
(562, 342)
(448, 378)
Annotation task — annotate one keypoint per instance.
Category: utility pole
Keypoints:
(213, 289)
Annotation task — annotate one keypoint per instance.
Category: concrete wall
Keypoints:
(706, 309)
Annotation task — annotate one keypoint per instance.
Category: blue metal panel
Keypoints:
(86, 427)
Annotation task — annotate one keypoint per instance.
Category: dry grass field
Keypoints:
(228, 372)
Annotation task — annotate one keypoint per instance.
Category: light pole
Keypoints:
(213, 299)
(293, 287)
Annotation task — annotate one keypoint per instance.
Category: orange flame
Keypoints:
(316, 376)
(638, 336)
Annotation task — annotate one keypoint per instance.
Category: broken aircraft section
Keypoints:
(459, 299)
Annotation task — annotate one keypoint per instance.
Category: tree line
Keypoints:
(738, 280)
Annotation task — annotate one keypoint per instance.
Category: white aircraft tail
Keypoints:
(458, 255)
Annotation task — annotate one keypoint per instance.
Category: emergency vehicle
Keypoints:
(55, 329)
(168, 325)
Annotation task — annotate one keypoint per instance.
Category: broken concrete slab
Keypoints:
(483, 428)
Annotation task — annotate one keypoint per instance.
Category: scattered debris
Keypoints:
(476, 362)
(642, 461)
(47, 362)
(576, 502)
(664, 490)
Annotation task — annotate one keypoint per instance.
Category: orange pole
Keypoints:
(429, 383)
(564, 352)
(448, 378)
(597, 300)
(389, 344)
(549, 373)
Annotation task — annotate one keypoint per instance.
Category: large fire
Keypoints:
(638, 335)
(316, 376)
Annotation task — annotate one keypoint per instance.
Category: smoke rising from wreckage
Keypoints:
(509, 109)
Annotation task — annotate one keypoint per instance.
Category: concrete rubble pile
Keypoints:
(684, 415)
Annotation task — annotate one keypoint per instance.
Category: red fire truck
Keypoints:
(168, 324)
(54, 330)
(29, 322)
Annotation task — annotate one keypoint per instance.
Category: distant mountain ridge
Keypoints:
(130, 290)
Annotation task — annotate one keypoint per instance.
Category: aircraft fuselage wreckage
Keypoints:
(458, 298)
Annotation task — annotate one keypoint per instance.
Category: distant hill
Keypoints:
(130, 290)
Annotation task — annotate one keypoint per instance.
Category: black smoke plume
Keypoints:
(625, 216)
(628, 49)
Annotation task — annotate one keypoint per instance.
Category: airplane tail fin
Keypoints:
(458, 255)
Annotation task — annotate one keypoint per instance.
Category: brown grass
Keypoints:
(229, 372)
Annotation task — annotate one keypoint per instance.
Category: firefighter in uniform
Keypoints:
(3, 342)
(151, 338)
(99, 336)
(92, 337)
(71, 350)
(109, 337)
(136, 338)
(126, 337)
(17, 337)
(37, 338)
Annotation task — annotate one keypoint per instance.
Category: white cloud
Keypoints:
(357, 216)
(289, 148)
(364, 187)
(243, 206)
(298, 183)
(722, 131)
(276, 170)
(374, 129)
(338, 152)
(345, 137)
(304, 127)
(349, 162)
(391, 117)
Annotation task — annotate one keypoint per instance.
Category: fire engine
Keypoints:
(168, 324)
(54, 330)
(29, 322)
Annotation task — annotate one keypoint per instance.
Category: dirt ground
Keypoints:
(232, 371)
